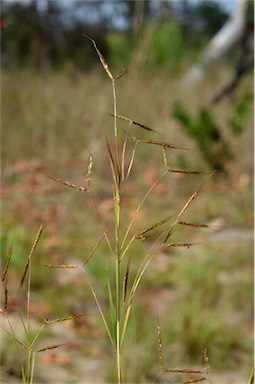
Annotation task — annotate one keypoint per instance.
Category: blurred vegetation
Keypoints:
(205, 131)
(49, 35)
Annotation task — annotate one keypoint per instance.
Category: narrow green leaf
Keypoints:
(102, 314)
(93, 250)
(112, 307)
(251, 379)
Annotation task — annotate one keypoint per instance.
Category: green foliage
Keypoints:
(51, 36)
(241, 113)
(120, 48)
(41, 39)
(204, 130)
(201, 20)
(211, 16)
(167, 46)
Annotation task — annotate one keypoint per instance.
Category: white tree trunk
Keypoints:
(228, 36)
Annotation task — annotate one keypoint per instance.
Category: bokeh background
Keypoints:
(54, 97)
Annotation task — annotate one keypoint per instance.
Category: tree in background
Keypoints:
(48, 36)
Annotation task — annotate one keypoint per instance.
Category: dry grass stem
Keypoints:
(123, 73)
(61, 181)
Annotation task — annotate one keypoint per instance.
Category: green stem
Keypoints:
(117, 182)
(251, 379)
(117, 273)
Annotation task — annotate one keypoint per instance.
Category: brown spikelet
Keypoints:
(145, 127)
(163, 144)
(61, 181)
(141, 234)
(192, 197)
(89, 170)
(51, 347)
(4, 309)
(63, 266)
(192, 224)
(160, 348)
(165, 158)
(169, 233)
(180, 245)
(38, 235)
(6, 267)
(101, 58)
(93, 250)
(125, 280)
(184, 370)
(187, 172)
(47, 321)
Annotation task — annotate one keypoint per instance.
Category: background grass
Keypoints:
(203, 295)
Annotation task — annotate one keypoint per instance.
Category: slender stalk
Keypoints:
(115, 128)
(117, 274)
(117, 183)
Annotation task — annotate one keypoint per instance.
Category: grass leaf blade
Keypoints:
(102, 314)
(112, 308)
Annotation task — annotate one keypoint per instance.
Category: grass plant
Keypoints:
(27, 364)
(121, 293)
(123, 236)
